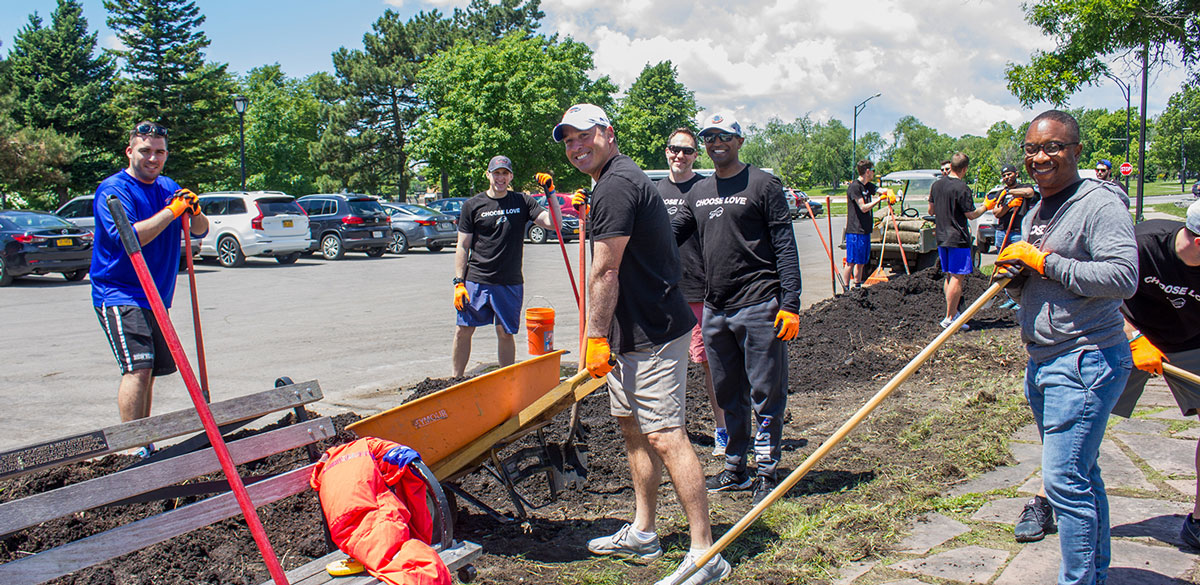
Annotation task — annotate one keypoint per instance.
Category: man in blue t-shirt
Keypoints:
(153, 204)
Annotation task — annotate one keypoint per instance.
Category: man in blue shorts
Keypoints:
(860, 221)
(953, 208)
(153, 204)
(488, 286)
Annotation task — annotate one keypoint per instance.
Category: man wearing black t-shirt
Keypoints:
(1010, 204)
(488, 286)
(953, 208)
(681, 155)
(751, 304)
(1162, 320)
(637, 331)
(860, 222)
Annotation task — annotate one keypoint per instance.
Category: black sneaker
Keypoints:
(728, 481)
(1190, 533)
(1036, 521)
(763, 486)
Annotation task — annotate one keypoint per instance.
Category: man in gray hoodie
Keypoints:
(1080, 262)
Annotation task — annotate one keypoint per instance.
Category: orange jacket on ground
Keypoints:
(387, 531)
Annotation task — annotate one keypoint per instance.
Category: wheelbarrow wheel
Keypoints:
(467, 573)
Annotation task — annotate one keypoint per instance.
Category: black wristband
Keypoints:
(457, 280)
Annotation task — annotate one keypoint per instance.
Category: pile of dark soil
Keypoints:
(845, 347)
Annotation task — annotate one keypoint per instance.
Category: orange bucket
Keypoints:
(539, 324)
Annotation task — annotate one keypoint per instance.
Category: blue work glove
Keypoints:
(401, 456)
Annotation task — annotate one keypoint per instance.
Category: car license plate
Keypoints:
(287, 223)
(64, 242)
(445, 227)
(376, 234)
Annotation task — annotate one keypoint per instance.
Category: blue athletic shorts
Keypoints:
(493, 303)
(956, 260)
(858, 248)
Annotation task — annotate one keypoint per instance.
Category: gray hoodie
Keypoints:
(1091, 267)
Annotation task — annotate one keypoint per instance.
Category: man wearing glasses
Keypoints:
(1104, 173)
(1079, 261)
(751, 303)
(681, 155)
(154, 204)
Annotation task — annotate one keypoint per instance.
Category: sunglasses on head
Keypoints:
(681, 149)
(150, 130)
(722, 136)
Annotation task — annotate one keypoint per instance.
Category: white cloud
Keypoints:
(942, 60)
(110, 41)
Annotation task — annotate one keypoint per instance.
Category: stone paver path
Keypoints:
(1148, 470)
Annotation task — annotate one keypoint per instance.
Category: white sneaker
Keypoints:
(947, 321)
(712, 572)
(720, 440)
(623, 543)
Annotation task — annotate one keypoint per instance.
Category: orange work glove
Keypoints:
(461, 298)
(1023, 254)
(545, 181)
(989, 202)
(788, 324)
(580, 199)
(1146, 357)
(1016, 202)
(184, 201)
(599, 357)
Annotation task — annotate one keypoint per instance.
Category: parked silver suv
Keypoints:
(253, 223)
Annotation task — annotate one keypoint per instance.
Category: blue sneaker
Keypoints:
(720, 440)
(147, 451)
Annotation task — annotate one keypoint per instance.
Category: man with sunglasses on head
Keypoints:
(154, 204)
(1078, 262)
(751, 305)
(637, 331)
(953, 206)
(681, 155)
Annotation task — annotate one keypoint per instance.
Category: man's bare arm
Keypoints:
(603, 285)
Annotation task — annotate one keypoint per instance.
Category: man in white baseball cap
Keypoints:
(581, 117)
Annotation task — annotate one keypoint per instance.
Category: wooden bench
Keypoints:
(161, 476)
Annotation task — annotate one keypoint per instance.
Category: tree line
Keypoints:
(421, 105)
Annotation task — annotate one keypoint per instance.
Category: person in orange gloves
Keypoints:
(638, 330)
(376, 512)
(751, 305)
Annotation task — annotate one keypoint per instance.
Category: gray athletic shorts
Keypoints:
(651, 385)
(1187, 394)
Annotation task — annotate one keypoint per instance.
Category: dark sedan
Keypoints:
(448, 205)
(419, 226)
(32, 242)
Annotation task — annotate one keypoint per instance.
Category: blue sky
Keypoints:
(940, 60)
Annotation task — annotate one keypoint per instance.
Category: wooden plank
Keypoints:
(572, 389)
(17, 462)
(137, 535)
(313, 572)
(64, 501)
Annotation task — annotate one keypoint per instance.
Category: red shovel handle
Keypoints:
(134, 249)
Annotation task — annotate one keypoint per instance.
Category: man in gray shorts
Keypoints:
(638, 333)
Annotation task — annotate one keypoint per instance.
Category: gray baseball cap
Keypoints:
(500, 162)
(1193, 217)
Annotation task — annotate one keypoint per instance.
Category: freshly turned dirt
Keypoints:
(846, 349)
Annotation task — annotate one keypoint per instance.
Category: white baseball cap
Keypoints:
(1193, 217)
(581, 117)
(721, 122)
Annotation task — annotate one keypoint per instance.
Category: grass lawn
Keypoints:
(1170, 208)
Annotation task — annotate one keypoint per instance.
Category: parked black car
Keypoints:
(448, 205)
(344, 221)
(32, 242)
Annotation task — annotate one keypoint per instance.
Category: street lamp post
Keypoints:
(854, 154)
(1125, 92)
(239, 105)
(1182, 162)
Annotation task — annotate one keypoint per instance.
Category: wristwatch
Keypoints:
(457, 280)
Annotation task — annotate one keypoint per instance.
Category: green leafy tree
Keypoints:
(1182, 111)
(281, 123)
(917, 146)
(34, 162)
(830, 153)
(168, 80)
(655, 105)
(782, 146)
(504, 98)
(483, 21)
(61, 82)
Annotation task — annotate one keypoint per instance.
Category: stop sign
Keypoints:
(1126, 169)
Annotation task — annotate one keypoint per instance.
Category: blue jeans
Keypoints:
(1010, 238)
(1071, 396)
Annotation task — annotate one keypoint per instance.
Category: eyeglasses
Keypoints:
(722, 136)
(1050, 148)
(150, 129)
(681, 149)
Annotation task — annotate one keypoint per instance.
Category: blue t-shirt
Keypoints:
(114, 281)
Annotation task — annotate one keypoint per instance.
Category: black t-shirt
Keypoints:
(1021, 211)
(650, 307)
(690, 258)
(1166, 306)
(857, 220)
(497, 228)
(735, 218)
(1050, 206)
(952, 199)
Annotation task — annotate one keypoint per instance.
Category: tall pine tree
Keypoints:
(655, 105)
(168, 81)
(60, 82)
